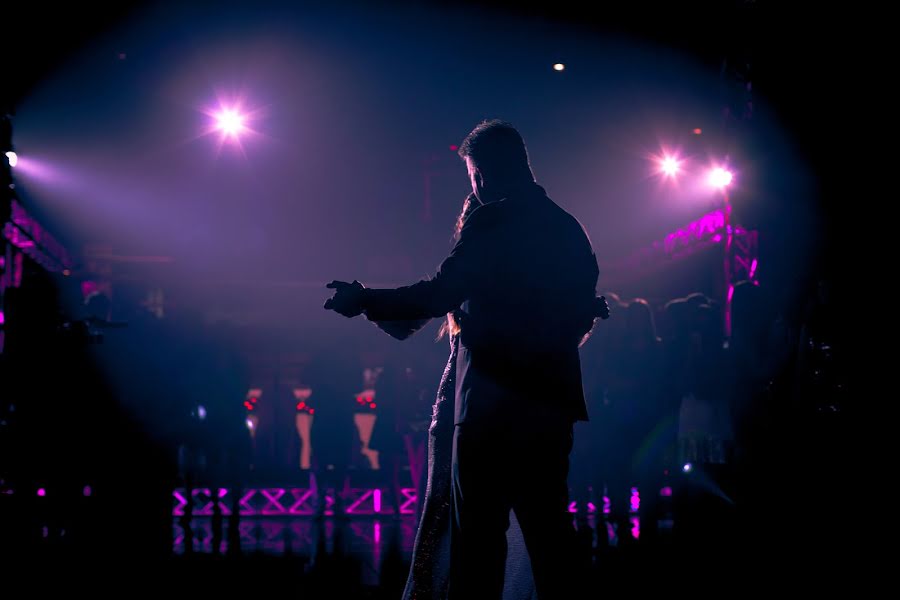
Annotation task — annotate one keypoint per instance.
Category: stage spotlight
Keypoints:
(41, 492)
(720, 177)
(201, 412)
(559, 67)
(670, 166)
(230, 122)
(687, 468)
(13, 158)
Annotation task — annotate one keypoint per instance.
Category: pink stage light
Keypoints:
(720, 178)
(230, 122)
(41, 492)
(670, 166)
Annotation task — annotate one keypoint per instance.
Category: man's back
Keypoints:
(529, 304)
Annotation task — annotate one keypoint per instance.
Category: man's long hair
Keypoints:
(469, 205)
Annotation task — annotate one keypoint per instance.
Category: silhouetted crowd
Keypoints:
(689, 428)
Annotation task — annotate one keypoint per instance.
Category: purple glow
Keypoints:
(182, 503)
(86, 491)
(720, 178)
(409, 504)
(272, 501)
(753, 266)
(687, 468)
(702, 229)
(666, 492)
(41, 492)
(730, 293)
(717, 238)
(377, 500)
(377, 533)
(2, 318)
(303, 504)
(635, 500)
(273, 506)
(24, 232)
(573, 507)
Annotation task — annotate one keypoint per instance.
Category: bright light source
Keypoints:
(559, 67)
(230, 122)
(687, 468)
(201, 412)
(720, 177)
(13, 158)
(670, 166)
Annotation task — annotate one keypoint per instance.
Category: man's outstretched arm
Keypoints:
(429, 298)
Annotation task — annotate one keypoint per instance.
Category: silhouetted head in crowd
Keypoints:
(639, 323)
(677, 313)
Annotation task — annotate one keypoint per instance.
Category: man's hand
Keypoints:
(347, 299)
(601, 307)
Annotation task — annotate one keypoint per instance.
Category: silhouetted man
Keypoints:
(525, 274)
